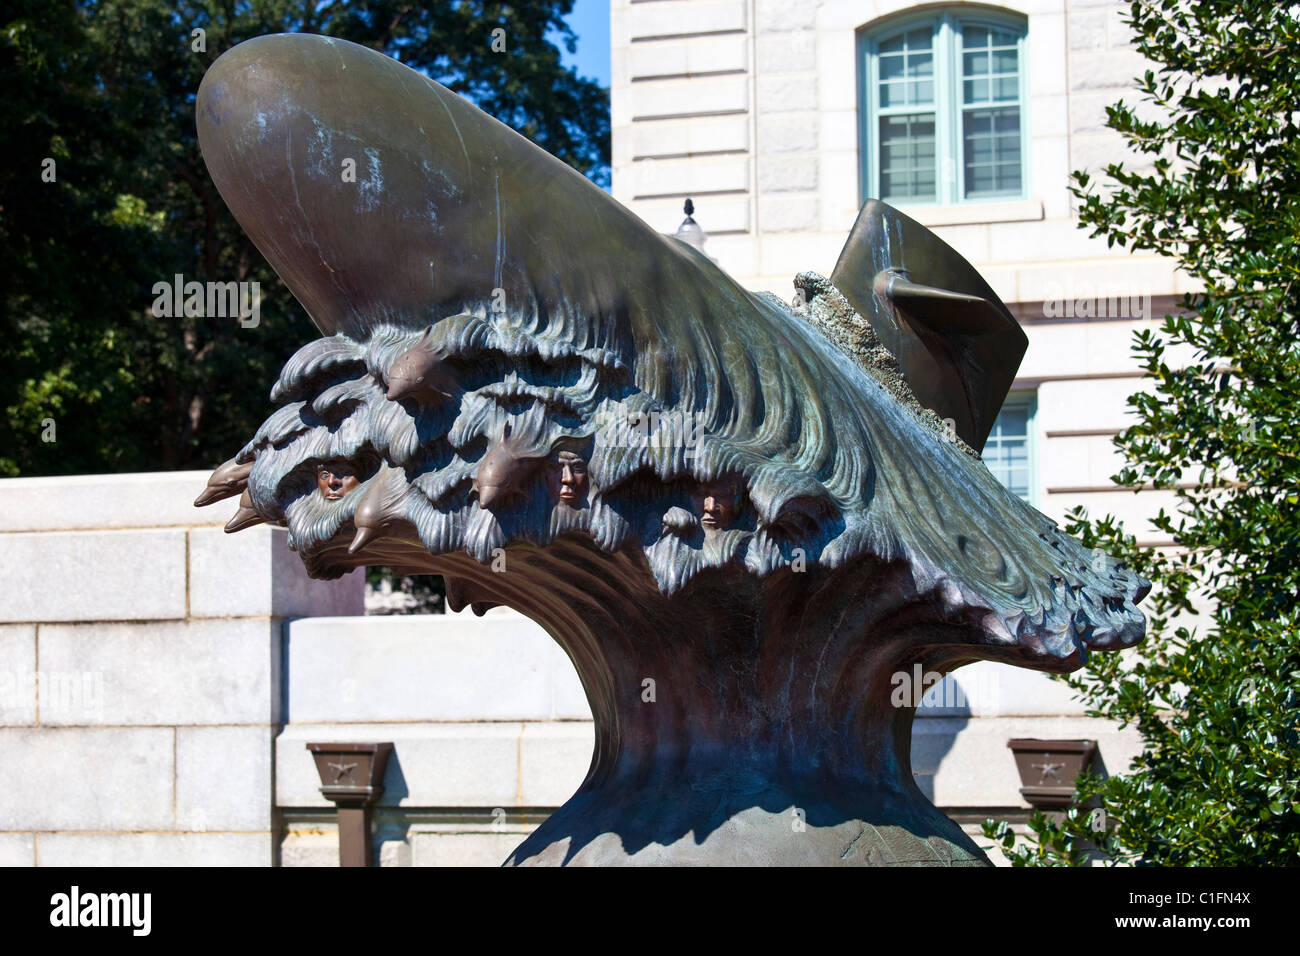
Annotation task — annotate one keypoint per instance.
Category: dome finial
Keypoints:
(689, 231)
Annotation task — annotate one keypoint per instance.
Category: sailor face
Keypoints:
(335, 479)
(716, 504)
(567, 477)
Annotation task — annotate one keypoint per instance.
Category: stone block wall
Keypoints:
(140, 672)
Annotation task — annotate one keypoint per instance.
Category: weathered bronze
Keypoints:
(716, 502)
(954, 340)
(245, 515)
(504, 472)
(567, 478)
(228, 480)
(335, 479)
(486, 310)
(420, 375)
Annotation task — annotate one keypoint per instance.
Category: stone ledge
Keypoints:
(165, 673)
(966, 763)
(957, 761)
(85, 502)
(506, 764)
(453, 667)
(19, 849)
(1026, 210)
(155, 849)
(17, 674)
(254, 574)
(223, 778)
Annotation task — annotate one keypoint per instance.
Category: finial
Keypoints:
(689, 231)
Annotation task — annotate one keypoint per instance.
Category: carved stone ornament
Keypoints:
(779, 507)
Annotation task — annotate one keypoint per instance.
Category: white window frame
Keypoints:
(949, 143)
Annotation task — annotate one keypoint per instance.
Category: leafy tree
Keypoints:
(105, 88)
(1215, 697)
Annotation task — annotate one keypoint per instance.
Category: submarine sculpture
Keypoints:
(741, 518)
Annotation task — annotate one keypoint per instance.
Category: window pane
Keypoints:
(975, 64)
(1007, 451)
(976, 91)
(907, 69)
(991, 142)
(1006, 60)
(1013, 420)
(990, 66)
(892, 45)
(907, 156)
(919, 93)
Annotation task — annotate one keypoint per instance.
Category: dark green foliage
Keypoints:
(107, 89)
(1216, 696)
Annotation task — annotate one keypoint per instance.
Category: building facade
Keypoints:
(780, 117)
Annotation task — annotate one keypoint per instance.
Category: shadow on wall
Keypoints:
(945, 711)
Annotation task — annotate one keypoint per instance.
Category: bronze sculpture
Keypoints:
(486, 310)
(716, 502)
(335, 479)
(568, 478)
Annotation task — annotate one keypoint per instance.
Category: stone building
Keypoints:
(780, 117)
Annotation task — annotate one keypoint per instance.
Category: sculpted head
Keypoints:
(336, 479)
(566, 478)
(717, 502)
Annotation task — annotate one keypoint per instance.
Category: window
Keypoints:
(943, 106)
(1009, 449)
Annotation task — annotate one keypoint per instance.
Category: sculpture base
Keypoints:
(740, 830)
(739, 720)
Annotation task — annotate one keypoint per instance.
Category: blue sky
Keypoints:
(590, 21)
